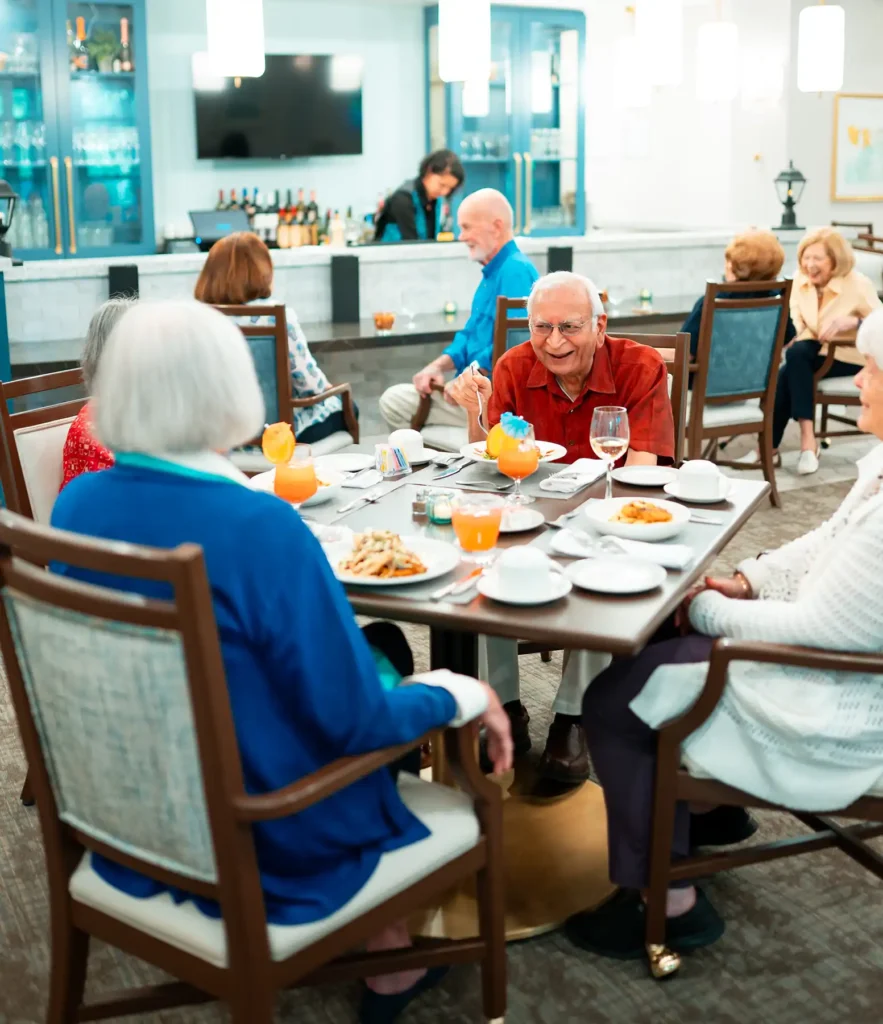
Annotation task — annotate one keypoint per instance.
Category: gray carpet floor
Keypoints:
(804, 941)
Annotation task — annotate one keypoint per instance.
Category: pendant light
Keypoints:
(717, 60)
(821, 48)
(464, 40)
(634, 90)
(235, 30)
(476, 97)
(659, 26)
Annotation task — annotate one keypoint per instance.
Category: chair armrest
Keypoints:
(460, 747)
(725, 652)
(418, 421)
(830, 356)
(346, 394)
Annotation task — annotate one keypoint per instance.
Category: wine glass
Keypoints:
(518, 463)
(609, 437)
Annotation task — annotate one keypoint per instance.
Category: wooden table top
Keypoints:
(618, 625)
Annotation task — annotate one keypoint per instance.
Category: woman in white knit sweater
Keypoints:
(808, 739)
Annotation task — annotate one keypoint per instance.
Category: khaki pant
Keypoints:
(398, 405)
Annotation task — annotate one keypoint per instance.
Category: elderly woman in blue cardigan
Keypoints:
(175, 387)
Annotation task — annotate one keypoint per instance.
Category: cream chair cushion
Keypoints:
(447, 813)
(736, 413)
(40, 450)
(842, 387)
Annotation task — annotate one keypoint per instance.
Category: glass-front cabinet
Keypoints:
(523, 134)
(74, 127)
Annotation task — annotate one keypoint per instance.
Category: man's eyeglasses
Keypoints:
(567, 329)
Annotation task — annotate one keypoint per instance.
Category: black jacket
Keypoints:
(399, 209)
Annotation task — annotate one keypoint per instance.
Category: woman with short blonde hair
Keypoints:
(829, 301)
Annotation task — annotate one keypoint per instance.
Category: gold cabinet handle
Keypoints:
(56, 204)
(528, 191)
(69, 171)
(517, 158)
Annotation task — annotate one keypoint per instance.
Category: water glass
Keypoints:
(476, 519)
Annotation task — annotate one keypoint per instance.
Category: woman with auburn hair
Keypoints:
(752, 256)
(238, 271)
(829, 301)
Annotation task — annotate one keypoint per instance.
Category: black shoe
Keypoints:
(721, 827)
(617, 929)
(378, 1009)
(519, 719)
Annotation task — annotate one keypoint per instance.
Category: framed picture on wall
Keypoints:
(857, 164)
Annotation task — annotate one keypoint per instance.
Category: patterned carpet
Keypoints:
(804, 943)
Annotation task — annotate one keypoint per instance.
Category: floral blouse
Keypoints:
(82, 453)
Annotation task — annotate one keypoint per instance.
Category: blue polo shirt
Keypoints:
(509, 273)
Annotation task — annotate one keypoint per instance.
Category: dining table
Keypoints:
(555, 839)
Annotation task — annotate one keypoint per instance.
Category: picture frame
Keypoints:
(857, 151)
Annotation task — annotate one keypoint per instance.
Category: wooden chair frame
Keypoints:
(252, 978)
(702, 440)
(11, 473)
(285, 398)
(823, 401)
(674, 784)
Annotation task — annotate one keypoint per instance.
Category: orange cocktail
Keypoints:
(518, 463)
(295, 481)
(476, 520)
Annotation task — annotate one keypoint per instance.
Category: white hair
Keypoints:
(176, 377)
(870, 337)
(103, 321)
(566, 279)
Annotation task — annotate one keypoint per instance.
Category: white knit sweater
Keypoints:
(808, 739)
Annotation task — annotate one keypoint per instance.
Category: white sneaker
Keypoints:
(807, 463)
(751, 460)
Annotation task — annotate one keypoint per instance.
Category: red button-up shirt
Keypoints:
(623, 373)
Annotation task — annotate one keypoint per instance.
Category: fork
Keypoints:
(363, 499)
(475, 369)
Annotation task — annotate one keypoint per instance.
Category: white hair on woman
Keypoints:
(176, 377)
(103, 321)
(870, 337)
(565, 279)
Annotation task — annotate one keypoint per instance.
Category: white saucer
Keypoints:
(619, 574)
(645, 476)
(424, 458)
(672, 490)
(519, 520)
(559, 586)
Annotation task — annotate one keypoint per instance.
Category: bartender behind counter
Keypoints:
(413, 211)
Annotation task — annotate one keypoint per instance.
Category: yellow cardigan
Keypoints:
(853, 294)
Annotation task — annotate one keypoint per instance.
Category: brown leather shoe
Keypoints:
(519, 720)
(566, 757)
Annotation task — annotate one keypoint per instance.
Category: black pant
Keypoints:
(794, 390)
(329, 426)
(387, 638)
(623, 750)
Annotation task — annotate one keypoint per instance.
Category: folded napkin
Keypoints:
(575, 477)
(669, 556)
(370, 478)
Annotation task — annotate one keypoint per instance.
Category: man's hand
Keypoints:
(428, 376)
(465, 389)
(498, 730)
(839, 325)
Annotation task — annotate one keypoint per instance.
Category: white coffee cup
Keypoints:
(408, 441)
(526, 571)
(700, 479)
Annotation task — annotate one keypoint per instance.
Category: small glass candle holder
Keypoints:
(440, 507)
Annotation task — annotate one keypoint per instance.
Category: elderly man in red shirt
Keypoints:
(556, 380)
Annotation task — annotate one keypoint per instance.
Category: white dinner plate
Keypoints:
(558, 586)
(645, 476)
(438, 556)
(341, 463)
(329, 486)
(599, 514)
(519, 520)
(549, 452)
(618, 574)
(726, 487)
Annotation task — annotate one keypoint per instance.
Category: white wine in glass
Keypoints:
(609, 437)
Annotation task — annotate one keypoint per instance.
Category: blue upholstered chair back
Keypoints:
(516, 336)
(111, 704)
(263, 351)
(742, 347)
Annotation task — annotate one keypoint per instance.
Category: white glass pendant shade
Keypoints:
(717, 61)
(659, 25)
(476, 98)
(634, 90)
(235, 30)
(464, 40)
(821, 48)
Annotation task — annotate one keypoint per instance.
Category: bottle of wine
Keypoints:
(257, 215)
(250, 206)
(221, 204)
(301, 233)
(325, 233)
(80, 57)
(351, 227)
(272, 215)
(283, 229)
(337, 231)
(313, 218)
(234, 202)
(125, 49)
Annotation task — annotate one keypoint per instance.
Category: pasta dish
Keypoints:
(636, 512)
(380, 554)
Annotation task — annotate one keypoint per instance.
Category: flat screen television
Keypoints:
(301, 106)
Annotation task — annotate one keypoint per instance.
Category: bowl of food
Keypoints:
(637, 519)
(380, 558)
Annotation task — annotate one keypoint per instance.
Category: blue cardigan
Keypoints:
(302, 681)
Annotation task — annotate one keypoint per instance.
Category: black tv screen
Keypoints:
(301, 106)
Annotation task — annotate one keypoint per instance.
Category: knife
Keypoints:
(451, 470)
(458, 586)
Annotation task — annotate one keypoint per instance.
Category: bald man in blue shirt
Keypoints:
(485, 220)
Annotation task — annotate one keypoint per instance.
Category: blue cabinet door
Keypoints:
(104, 127)
(29, 127)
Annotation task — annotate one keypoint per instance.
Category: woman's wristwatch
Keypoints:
(747, 591)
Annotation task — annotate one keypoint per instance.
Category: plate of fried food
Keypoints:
(380, 558)
(637, 519)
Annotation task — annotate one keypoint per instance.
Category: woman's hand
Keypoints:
(465, 389)
(499, 732)
(735, 587)
(839, 325)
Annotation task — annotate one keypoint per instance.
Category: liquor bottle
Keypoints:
(351, 226)
(283, 227)
(243, 203)
(337, 230)
(301, 233)
(80, 55)
(250, 206)
(125, 49)
(221, 204)
(325, 233)
(272, 215)
(313, 218)
(234, 202)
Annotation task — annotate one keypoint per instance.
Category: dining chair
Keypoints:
(736, 368)
(677, 779)
(835, 392)
(125, 717)
(268, 342)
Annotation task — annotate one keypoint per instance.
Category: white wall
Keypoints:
(390, 38)
(811, 128)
